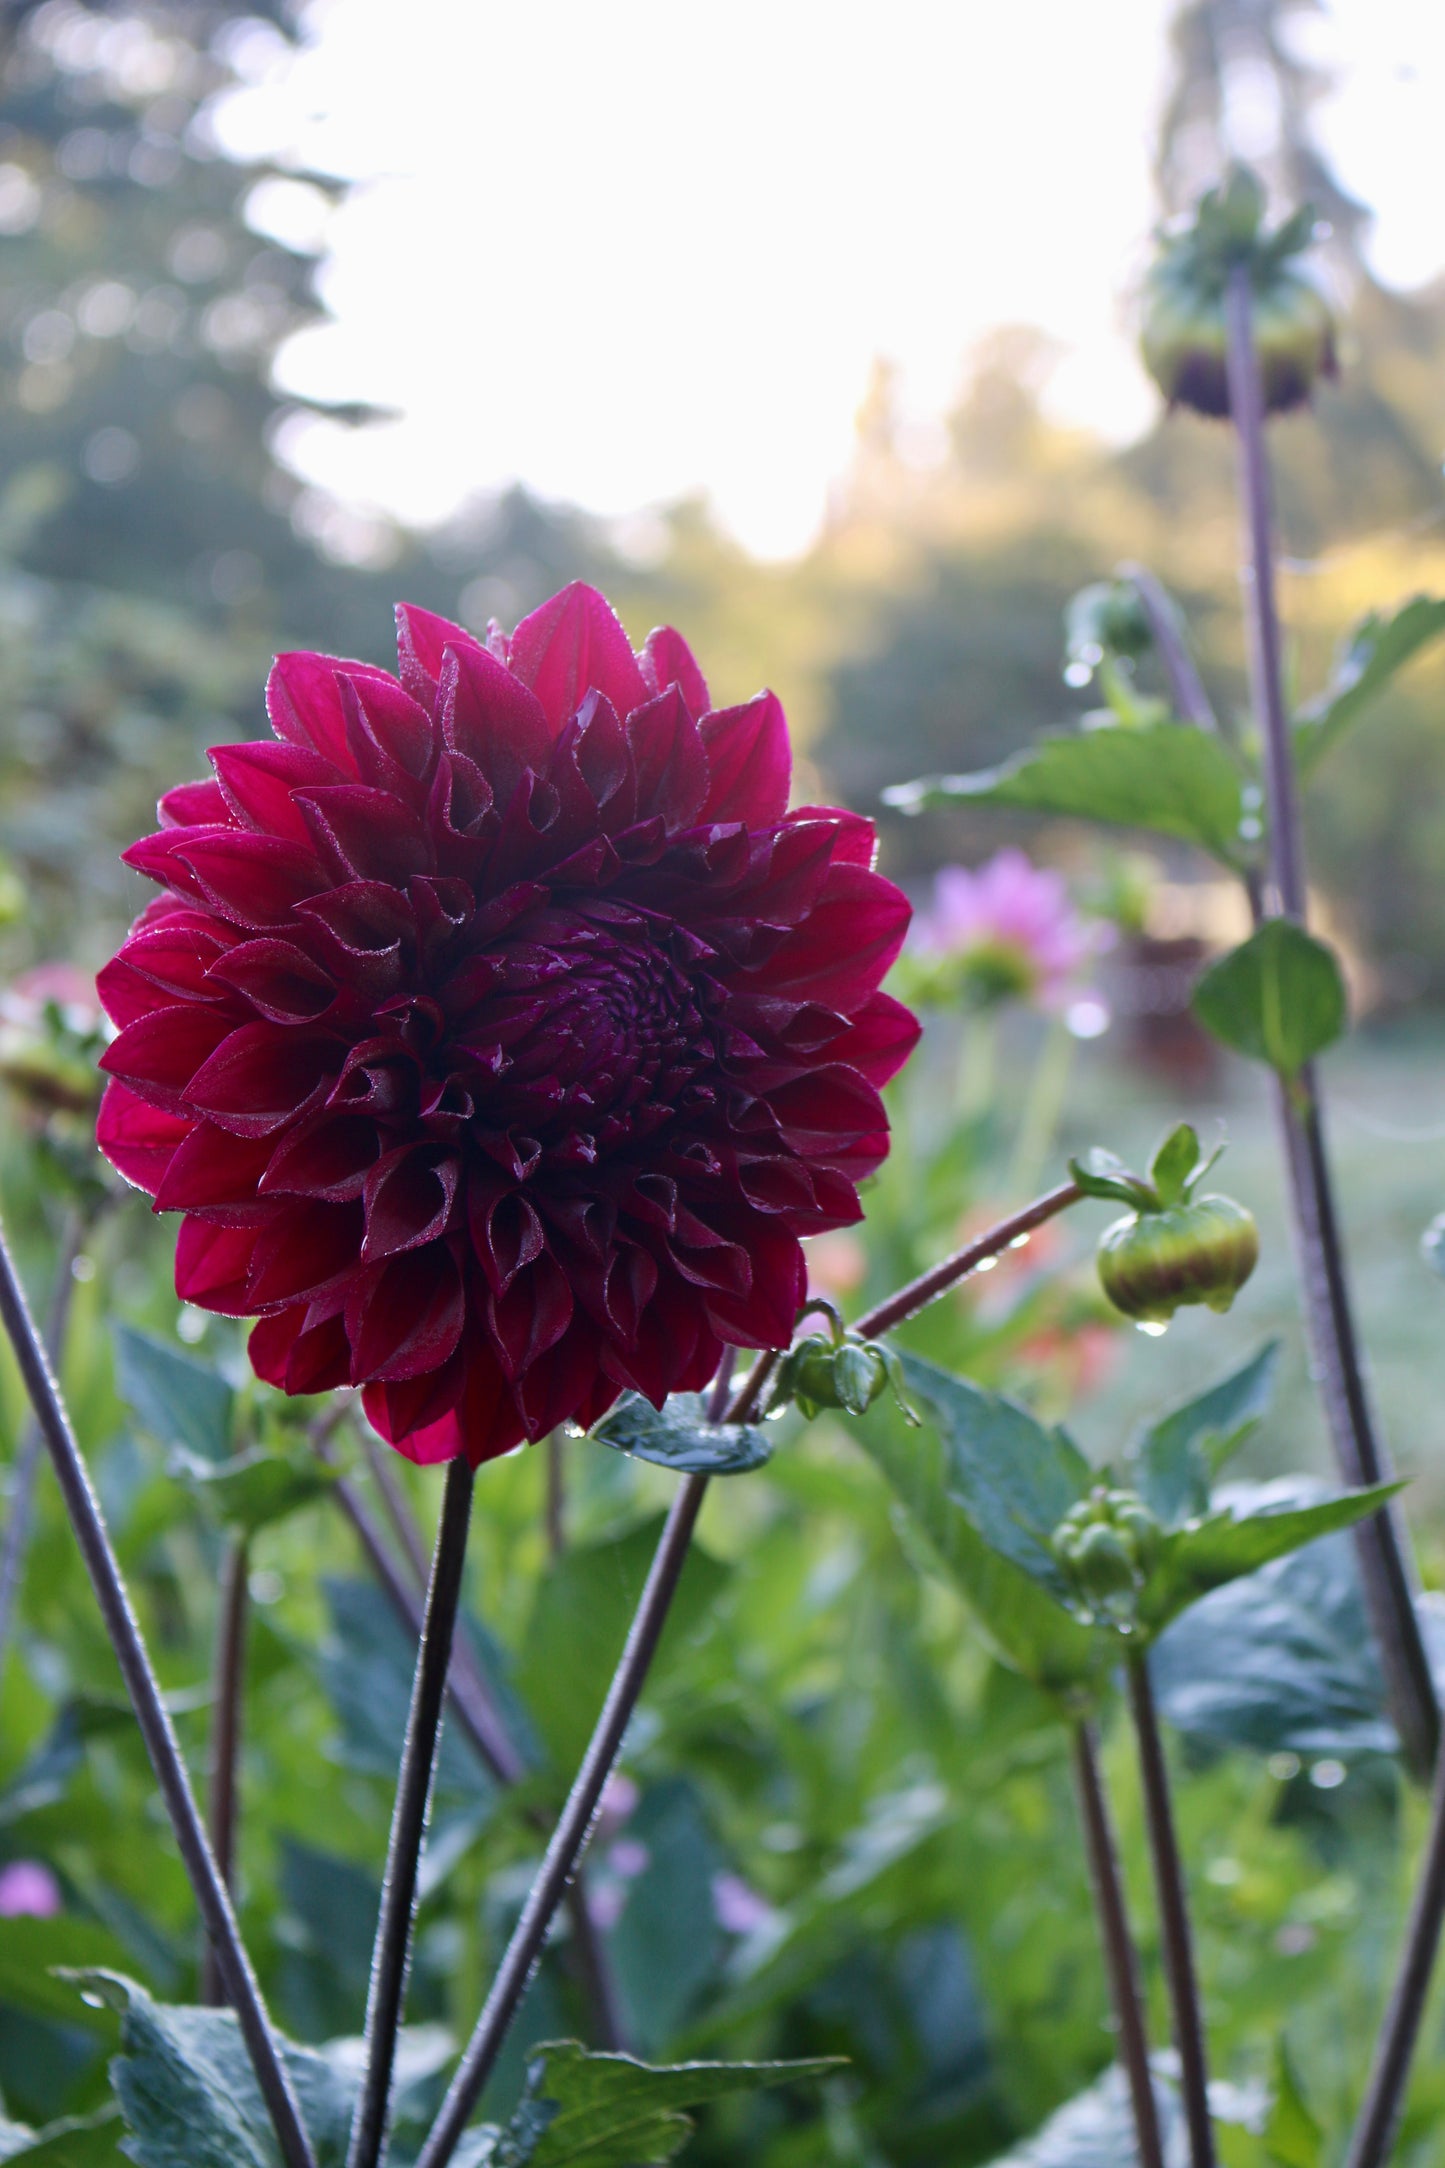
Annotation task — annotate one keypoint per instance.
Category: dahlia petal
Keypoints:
(306, 1249)
(422, 639)
(138, 1139)
(258, 783)
(427, 1444)
(599, 750)
(303, 700)
(159, 857)
(158, 1055)
(764, 1316)
(211, 1169)
(668, 759)
(488, 716)
(408, 1197)
(574, 645)
(162, 961)
(328, 1157)
(750, 760)
(549, 1391)
(392, 738)
(879, 1040)
(666, 659)
(785, 882)
(827, 1103)
(405, 1317)
(297, 1357)
(195, 805)
(261, 1076)
(857, 838)
(363, 924)
(212, 1264)
(506, 1232)
(254, 881)
(531, 1316)
(279, 980)
(366, 835)
(845, 945)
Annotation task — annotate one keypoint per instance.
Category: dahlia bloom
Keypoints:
(498, 1030)
(1007, 931)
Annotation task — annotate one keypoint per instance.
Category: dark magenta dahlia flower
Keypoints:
(499, 1031)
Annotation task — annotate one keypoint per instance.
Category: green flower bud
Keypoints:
(1106, 618)
(860, 1375)
(1154, 1263)
(1184, 332)
(1108, 1545)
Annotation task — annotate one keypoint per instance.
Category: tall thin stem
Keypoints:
(1359, 1449)
(1121, 1960)
(1374, 2136)
(1173, 1916)
(479, 1718)
(569, 1839)
(391, 1957)
(32, 1440)
(571, 1833)
(229, 1681)
(155, 1724)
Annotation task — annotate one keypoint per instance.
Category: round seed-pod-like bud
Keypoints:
(1184, 332)
(860, 1375)
(1102, 1567)
(1154, 1263)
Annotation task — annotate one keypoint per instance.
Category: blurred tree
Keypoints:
(154, 548)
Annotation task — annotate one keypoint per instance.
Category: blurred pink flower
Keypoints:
(1010, 932)
(738, 1907)
(27, 1889)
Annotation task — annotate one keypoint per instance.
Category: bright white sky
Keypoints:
(625, 250)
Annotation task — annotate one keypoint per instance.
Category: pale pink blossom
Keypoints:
(28, 1889)
(1010, 930)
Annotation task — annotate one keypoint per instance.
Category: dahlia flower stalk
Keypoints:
(498, 1030)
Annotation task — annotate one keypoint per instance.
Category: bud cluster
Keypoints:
(837, 1370)
(1107, 1545)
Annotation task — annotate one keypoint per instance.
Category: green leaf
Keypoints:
(253, 1489)
(1173, 1464)
(1094, 2130)
(32, 1955)
(179, 1401)
(1014, 1479)
(366, 1665)
(1291, 2136)
(1375, 650)
(579, 1623)
(680, 1436)
(1280, 1662)
(667, 1944)
(76, 2142)
(1174, 1162)
(1252, 1526)
(1104, 1175)
(189, 2095)
(1279, 997)
(1168, 777)
(581, 2110)
(1027, 1627)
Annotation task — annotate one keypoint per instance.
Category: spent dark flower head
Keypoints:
(499, 1031)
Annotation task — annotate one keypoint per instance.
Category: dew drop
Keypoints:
(986, 1264)
(1078, 674)
(1155, 1330)
(1251, 828)
(1020, 1242)
(90, 1997)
